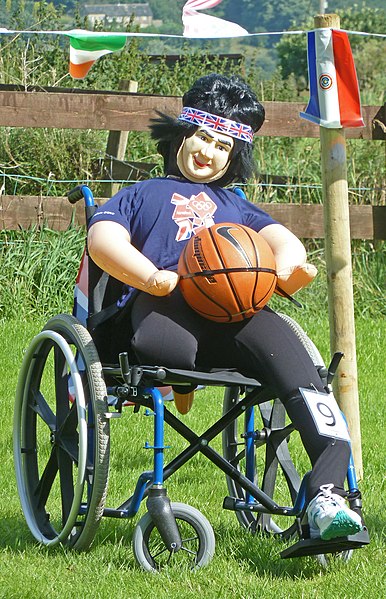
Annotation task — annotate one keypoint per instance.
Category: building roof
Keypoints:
(117, 10)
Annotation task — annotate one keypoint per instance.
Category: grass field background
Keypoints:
(244, 566)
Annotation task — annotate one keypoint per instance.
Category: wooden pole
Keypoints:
(117, 142)
(339, 269)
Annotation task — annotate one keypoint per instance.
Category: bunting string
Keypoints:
(72, 32)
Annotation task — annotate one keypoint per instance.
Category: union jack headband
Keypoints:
(218, 123)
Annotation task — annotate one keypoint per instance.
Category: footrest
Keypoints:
(317, 546)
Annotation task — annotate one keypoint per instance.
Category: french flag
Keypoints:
(334, 92)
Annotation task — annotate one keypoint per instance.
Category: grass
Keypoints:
(244, 567)
(38, 269)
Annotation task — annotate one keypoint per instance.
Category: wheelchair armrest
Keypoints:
(79, 192)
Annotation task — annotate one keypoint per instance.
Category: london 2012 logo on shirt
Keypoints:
(192, 214)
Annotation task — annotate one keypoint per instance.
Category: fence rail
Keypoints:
(124, 111)
(304, 220)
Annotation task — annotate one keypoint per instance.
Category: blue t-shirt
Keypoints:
(162, 214)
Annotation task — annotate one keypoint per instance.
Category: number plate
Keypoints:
(326, 414)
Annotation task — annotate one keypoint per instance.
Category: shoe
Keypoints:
(329, 517)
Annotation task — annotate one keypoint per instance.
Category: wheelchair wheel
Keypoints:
(61, 435)
(198, 542)
(275, 472)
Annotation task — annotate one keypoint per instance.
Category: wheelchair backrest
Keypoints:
(96, 294)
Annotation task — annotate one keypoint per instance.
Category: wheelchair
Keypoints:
(66, 402)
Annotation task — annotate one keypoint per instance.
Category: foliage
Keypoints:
(38, 271)
(39, 268)
(39, 158)
(273, 15)
(268, 16)
(53, 155)
(169, 11)
(67, 156)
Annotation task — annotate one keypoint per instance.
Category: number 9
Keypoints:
(327, 413)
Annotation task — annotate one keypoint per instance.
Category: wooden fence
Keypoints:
(127, 111)
(124, 111)
(304, 220)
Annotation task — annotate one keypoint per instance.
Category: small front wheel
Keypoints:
(198, 542)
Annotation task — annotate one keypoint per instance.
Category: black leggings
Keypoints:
(169, 333)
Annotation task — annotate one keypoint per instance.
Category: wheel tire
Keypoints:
(305, 340)
(61, 443)
(196, 551)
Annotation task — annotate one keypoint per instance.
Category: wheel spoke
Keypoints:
(66, 482)
(41, 407)
(69, 424)
(44, 486)
(189, 539)
(61, 387)
(237, 459)
(160, 552)
(70, 446)
(188, 550)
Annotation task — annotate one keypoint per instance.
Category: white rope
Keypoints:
(4, 30)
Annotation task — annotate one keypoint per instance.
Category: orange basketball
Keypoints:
(227, 272)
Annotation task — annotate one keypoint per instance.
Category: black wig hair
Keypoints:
(229, 97)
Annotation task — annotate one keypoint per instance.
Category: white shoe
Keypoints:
(329, 517)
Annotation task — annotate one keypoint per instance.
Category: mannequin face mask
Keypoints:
(205, 156)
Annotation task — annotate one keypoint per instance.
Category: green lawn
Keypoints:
(243, 566)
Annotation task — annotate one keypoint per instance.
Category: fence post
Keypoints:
(117, 142)
(339, 268)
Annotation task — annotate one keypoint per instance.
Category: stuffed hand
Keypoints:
(294, 278)
(161, 283)
(293, 273)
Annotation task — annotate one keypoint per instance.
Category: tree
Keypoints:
(268, 15)
(169, 11)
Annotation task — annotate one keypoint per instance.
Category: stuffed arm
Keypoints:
(110, 248)
(293, 272)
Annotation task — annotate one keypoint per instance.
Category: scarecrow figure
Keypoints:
(138, 236)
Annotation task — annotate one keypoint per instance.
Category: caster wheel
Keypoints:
(198, 542)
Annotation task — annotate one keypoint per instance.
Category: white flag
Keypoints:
(199, 26)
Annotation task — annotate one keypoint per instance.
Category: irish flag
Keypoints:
(86, 48)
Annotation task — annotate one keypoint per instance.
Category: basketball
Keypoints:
(227, 272)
